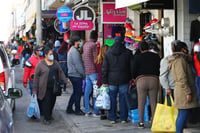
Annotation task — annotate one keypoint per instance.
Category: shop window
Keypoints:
(194, 6)
(144, 19)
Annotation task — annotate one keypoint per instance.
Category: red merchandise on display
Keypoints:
(147, 26)
(154, 21)
(129, 26)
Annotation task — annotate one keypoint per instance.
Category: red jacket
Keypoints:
(196, 62)
(29, 71)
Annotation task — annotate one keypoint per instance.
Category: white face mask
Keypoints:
(51, 57)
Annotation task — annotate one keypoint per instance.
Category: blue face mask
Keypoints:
(81, 44)
(51, 57)
(41, 53)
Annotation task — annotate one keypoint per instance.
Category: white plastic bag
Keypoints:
(33, 108)
(106, 101)
(103, 99)
(99, 102)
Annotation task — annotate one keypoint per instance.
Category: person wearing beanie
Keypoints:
(76, 75)
(56, 46)
(57, 43)
(89, 55)
(116, 75)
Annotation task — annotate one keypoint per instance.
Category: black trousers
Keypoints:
(46, 105)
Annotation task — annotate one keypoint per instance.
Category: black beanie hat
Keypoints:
(74, 39)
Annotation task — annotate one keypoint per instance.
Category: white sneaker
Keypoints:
(88, 114)
(95, 115)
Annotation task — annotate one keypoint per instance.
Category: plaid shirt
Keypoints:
(89, 55)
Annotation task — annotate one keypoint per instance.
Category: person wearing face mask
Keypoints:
(76, 74)
(47, 72)
(29, 67)
(26, 53)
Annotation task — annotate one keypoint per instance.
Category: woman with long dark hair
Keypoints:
(62, 57)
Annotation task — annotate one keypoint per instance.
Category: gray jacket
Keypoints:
(75, 63)
(166, 78)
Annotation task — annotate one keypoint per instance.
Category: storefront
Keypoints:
(90, 10)
(152, 13)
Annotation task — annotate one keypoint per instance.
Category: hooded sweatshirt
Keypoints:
(116, 68)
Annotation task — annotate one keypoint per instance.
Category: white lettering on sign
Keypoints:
(116, 12)
(83, 16)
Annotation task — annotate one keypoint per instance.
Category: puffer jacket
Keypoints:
(179, 63)
(116, 68)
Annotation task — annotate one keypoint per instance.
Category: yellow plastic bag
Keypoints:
(165, 117)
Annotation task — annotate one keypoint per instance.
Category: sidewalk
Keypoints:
(83, 124)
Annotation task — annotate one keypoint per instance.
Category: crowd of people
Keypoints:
(113, 67)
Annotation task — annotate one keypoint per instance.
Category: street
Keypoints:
(22, 124)
(63, 123)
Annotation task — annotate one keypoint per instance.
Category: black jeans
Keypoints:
(47, 104)
(76, 95)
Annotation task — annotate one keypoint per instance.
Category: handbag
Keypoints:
(131, 97)
(165, 117)
(57, 88)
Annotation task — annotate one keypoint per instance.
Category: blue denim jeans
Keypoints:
(197, 82)
(76, 95)
(63, 65)
(181, 119)
(31, 86)
(89, 85)
(113, 92)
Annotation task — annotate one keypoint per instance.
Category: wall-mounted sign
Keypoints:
(61, 27)
(112, 15)
(64, 13)
(84, 13)
(81, 25)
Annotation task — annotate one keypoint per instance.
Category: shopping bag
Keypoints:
(99, 102)
(36, 109)
(133, 115)
(33, 108)
(131, 98)
(165, 117)
(106, 101)
(103, 99)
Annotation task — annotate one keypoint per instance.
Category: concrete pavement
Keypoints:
(83, 124)
(65, 123)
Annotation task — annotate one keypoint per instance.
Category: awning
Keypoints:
(49, 14)
(30, 15)
(126, 3)
(53, 4)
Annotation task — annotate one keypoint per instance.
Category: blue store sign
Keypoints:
(64, 13)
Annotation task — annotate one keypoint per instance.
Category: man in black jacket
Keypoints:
(116, 72)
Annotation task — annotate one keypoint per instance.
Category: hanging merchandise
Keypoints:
(166, 30)
(131, 41)
(129, 32)
(111, 31)
(196, 59)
